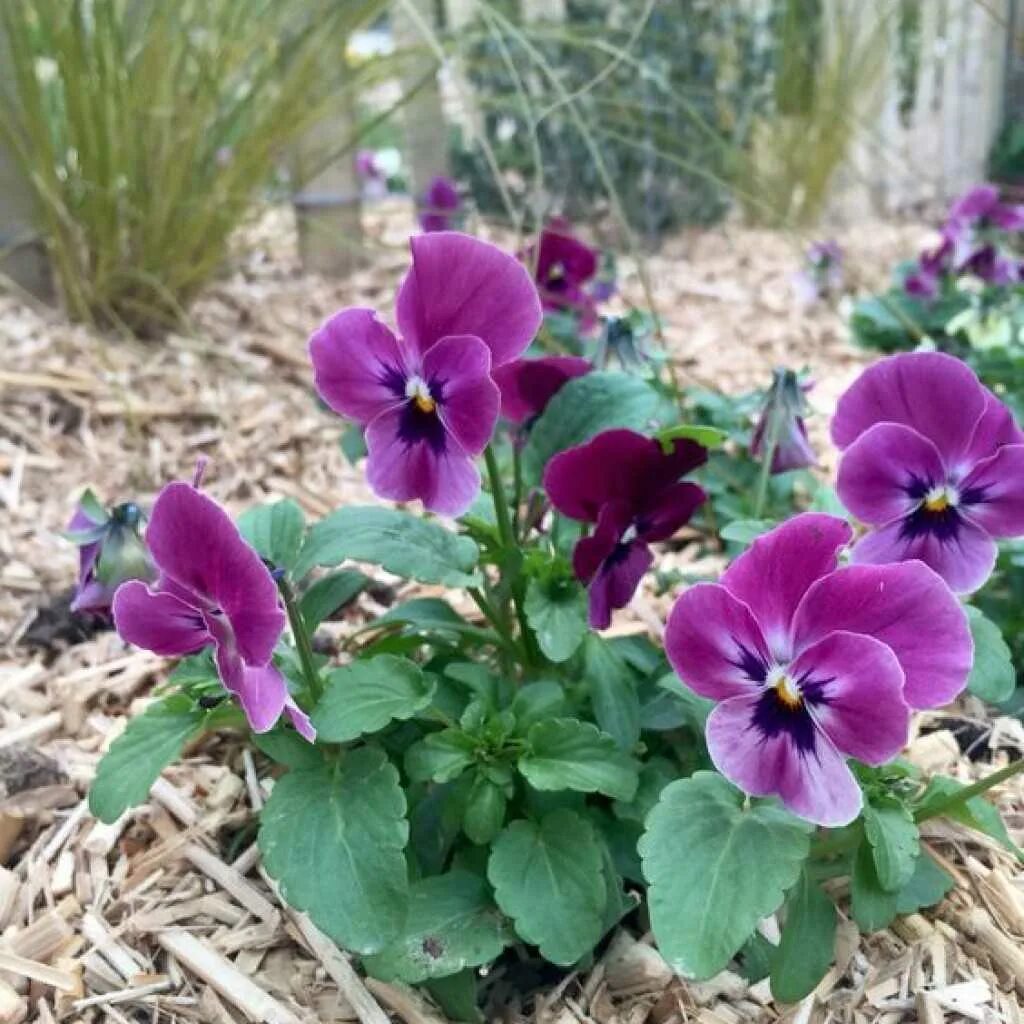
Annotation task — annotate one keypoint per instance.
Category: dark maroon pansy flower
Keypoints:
(933, 462)
(563, 267)
(439, 205)
(527, 385)
(630, 489)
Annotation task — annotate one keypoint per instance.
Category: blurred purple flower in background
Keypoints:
(439, 205)
(110, 551)
(428, 401)
(933, 462)
(630, 489)
(811, 663)
(781, 424)
(563, 266)
(822, 274)
(213, 590)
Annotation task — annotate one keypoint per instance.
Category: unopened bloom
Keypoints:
(439, 205)
(782, 422)
(527, 385)
(110, 551)
(563, 267)
(428, 401)
(812, 664)
(213, 591)
(629, 487)
(933, 462)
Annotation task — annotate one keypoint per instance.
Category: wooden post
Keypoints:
(423, 121)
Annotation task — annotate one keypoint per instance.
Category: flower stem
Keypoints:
(302, 641)
(938, 807)
(767, 457)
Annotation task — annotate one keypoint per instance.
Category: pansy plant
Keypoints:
(487, 764)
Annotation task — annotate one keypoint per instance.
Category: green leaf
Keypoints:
(893, 836)
(926, 886)
(406, 545)
(329, 594)
(563, 753)
(485, 811)
(364, 696)
(427, 613)
(275, 531)
(149, 743)
(452, 924)
(976, 813)
(557, 614)
(707, 437)
(745, 531)
(547, 877)
(287, 747)
(440, 756)
(612, 691)
(873, 907)
(993, 677)
(714, 869)
(352, 443)
(655, 775)
(536, 702)
(806, 949)
(334, 837)
(584, 407)
(456, 995)
(93, 507)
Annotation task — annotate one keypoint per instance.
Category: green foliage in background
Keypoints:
(147, 129)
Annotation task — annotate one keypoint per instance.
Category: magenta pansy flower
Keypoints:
(439, 204)
(812, 664)
(564, 267)
(213, 591)
(933, 462)
(527, 385)
(629, 487)
(981, 206)
(783, 414)
(427, 401)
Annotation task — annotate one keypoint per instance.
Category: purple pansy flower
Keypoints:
(782, 417)
(527, 385)
(428, 401)
(110, 551)
(933, 462)
(629, 487)
(564, 266)
(213, 590)
(822, 274)
(980, 206)
(439, 204)
(812, 664)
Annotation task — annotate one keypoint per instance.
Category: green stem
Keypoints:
(767, 457)
(938, 807)
(517, 484)
(302, 641)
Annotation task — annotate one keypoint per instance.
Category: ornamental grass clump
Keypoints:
(454, 788)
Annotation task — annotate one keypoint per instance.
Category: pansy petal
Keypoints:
(457, 371)
(527, 385)
(302, 722)
(616, 581)
(880, 469)
(813, 781)
(975, 203)
(440, 475)
(773, 574)
(906, 606)
(671, 509)
(993, 493)
(358, 366)
(262, 692)
(714, 643)
(995, 428)
(590, 552)
(193, 540)
(157, 622)
(965, 560)
(853, 685)
(462, 285)
(937, 395)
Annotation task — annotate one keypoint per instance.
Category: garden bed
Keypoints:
(170, 903)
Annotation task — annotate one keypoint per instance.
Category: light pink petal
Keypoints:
(993, 493)
(815, 783)
(457, 370)
(359, 368)
(302, 722)
(461, 285)
(158, 622)
(858, 684)
(193, 540)
(880, 468)
(714, 643)
(937, 395)
(773, 574)
(262, 692)
(446, 480)
(906, 606)
(965, 559)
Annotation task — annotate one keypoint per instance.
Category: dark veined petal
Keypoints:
(615, 582)
(995, 489)
(457, 369)
(158, 622)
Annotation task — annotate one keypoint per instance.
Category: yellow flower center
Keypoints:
(786, 690)
(556, 272)
(938, 499)
(416, 388)
(425, 403)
